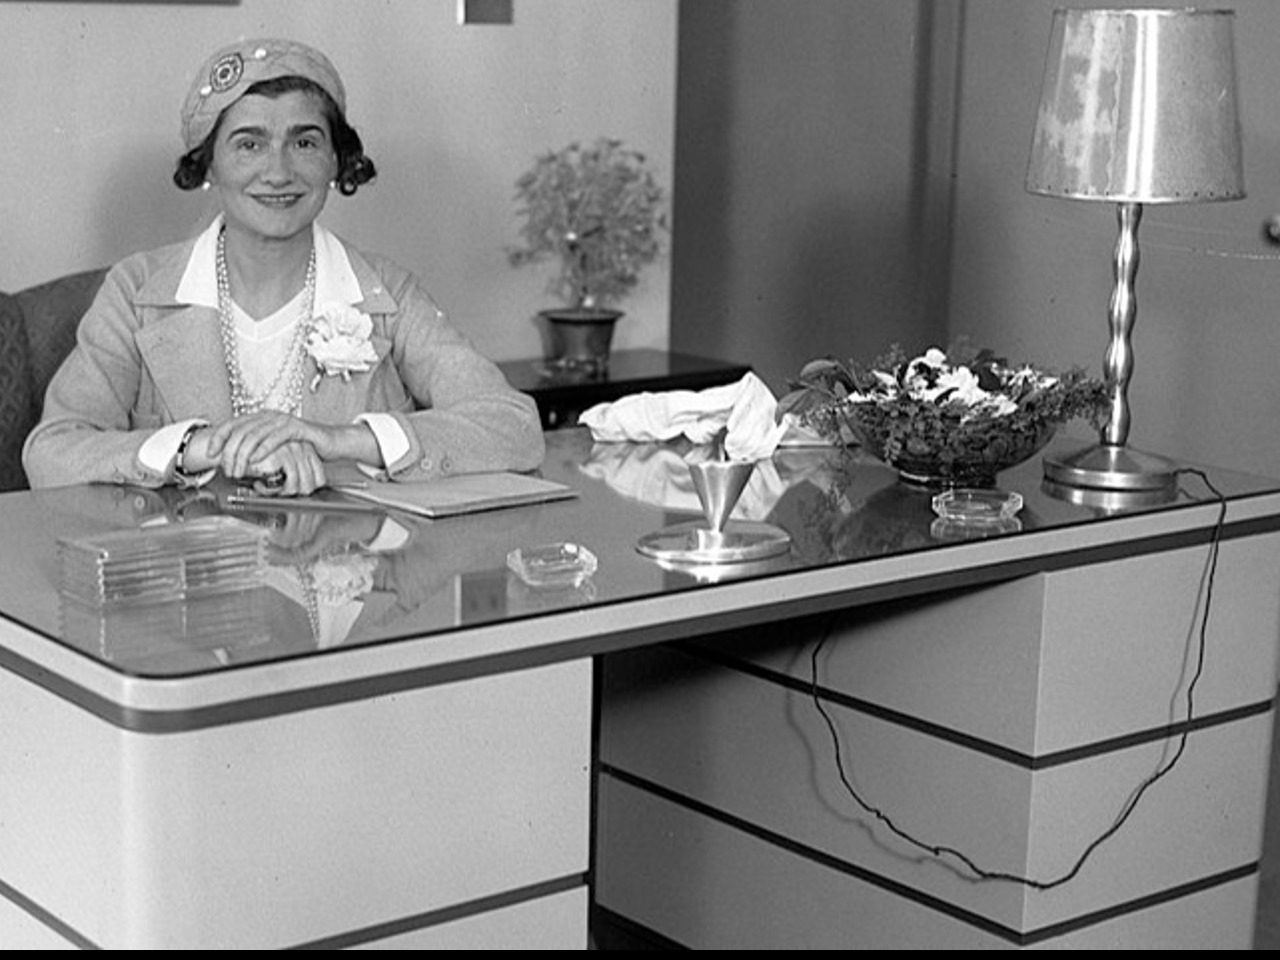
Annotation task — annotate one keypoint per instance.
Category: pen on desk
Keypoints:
(274, 480)
(302, 503)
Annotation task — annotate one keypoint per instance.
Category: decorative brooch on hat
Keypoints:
(226, 72)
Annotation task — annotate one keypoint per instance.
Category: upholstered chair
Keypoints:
(37, 331)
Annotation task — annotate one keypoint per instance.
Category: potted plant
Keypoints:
(598, 211)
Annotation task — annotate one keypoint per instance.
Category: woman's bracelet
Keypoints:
(180, 458)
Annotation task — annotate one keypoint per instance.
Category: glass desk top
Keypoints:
(339, 581)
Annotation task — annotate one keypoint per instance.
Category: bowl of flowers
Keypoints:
(939, 419)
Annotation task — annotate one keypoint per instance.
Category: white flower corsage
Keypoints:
(339, 342)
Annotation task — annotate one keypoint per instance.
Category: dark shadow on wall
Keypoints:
(702, 191)
(812, 201)
(838, 297)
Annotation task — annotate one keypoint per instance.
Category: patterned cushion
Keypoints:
(53, 311)
(37, 331)
(17, 396)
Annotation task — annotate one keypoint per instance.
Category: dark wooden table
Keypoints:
(562, 394)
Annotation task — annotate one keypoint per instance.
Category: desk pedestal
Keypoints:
(452, 815)
(1011, 723)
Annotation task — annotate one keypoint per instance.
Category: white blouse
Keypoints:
(263, 347)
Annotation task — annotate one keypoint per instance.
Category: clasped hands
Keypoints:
(272, 444)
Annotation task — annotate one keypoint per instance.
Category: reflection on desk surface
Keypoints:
(335, 580)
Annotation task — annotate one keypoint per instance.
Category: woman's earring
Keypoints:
(333, 184)
(205, 185)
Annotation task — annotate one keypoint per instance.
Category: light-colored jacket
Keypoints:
(143, 360)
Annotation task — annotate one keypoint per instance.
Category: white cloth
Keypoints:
(746, 411)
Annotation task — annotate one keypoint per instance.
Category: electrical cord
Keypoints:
(942, 851)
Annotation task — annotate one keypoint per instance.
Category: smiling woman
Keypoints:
(219, 353)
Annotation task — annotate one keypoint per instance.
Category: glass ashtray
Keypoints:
(553, 564)
(979, 506)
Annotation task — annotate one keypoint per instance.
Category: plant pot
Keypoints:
(578, 338)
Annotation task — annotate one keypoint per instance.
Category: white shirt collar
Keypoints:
(335, 279)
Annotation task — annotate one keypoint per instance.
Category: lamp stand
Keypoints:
(1110, 464)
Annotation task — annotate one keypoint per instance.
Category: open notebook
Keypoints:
(465, 493)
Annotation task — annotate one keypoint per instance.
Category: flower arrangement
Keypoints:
(940, 419)
(597, 209)
(338, 342)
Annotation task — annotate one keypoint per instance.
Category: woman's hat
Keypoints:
(228, 73)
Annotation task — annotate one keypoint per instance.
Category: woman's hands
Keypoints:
(241, 445)
(274, 443)
(296, 461)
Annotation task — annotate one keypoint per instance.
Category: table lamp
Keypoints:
(1138, 107)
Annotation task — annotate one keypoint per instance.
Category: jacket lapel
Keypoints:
(183, 353)
(334, 400)
(376, 299)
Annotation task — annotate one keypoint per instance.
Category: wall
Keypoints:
(813, 178)
(89, 99)
(1032, 275)
(814, 195)
(851, 173)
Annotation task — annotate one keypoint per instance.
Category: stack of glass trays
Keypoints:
(181, 561)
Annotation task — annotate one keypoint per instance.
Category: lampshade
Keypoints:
(1139, 106)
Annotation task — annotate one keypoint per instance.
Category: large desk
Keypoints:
(415, 765)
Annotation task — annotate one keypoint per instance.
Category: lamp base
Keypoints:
(1108, 466)
(1108, 502)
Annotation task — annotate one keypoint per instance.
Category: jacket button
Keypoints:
(426, 463)
(446, 465)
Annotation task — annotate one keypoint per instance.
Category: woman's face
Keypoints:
(273, 160)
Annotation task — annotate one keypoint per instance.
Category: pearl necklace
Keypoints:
(243, 400)
(310, 596)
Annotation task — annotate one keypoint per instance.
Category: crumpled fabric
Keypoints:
(746, 411)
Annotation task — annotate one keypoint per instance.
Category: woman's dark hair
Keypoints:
(354, 168)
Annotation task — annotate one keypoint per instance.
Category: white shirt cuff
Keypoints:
(158, 450)
(389, 435)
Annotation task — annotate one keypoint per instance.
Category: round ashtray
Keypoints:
(979, 506)
(553, 564)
